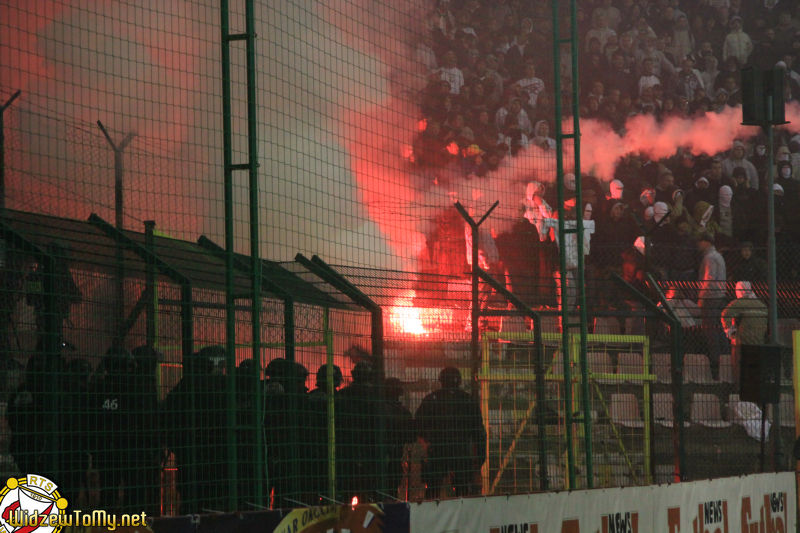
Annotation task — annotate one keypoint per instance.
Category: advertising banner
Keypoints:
(761, 503)
(368, 518)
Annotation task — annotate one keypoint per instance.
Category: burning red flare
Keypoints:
(404, 317)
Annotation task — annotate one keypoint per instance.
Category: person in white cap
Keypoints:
(737, 43)
(745, 321)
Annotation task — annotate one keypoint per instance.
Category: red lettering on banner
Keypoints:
(674, 520)
(571, 526)
(772, 516)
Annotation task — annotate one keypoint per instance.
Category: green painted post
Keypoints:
(330, 406)
(565, 337)
(255, 255)
(230, 311)
(587, 414)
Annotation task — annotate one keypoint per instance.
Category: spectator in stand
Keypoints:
(512, 114)
(711, 299)
(745, 321)
(528, 260)
(530, 85)
(736, 158)
(731, 85)
(430, 150)
(442, 23)
(486, 72)
(688, 79)
(619, 76)
(737, 43)
(785, 179)
(486, 133)
(748, 266)
(783, 155)
(600, 30)
(662, 67)
(517, 55)
(709, 74)
(665, 186)
(715, 33)
(759, 158)
(682, 39)
(720, 102)
(541, 136)
(725, 212)
(425, 55)
(615, 233)
(690, 317)
(765, 53)
(648, 79)
(700, 192)
(610, 12)
(450, 73)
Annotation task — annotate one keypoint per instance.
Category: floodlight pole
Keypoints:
(3, 151)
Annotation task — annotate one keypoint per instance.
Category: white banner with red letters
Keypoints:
(759, 503)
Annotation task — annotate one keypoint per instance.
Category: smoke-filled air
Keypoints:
(340, 91)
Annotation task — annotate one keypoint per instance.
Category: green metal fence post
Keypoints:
(331, 406)
(564, 300)
(150, 286)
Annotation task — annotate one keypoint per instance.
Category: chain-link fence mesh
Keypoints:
(146, 409)
(125, 382)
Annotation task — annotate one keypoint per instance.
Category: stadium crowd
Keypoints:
(490, 94)
(698, 219)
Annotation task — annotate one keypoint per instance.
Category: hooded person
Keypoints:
(785, 178)
(700, 192)
(660, 211)
(614, 234)
(725, 211)
(745, 321)
(702, 220)
(615, 190)
(736, 158)
(536, 208)
(669, 250)
(541, 136)
(711, 298)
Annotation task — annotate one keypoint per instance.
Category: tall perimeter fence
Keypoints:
(161, 354)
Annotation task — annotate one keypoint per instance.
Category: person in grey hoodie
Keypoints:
(711, 298)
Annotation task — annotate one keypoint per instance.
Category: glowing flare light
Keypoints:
(404, 317)
(407, 319)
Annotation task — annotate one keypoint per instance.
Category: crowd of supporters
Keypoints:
(490, 94)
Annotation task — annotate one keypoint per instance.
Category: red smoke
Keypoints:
(138, 71)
